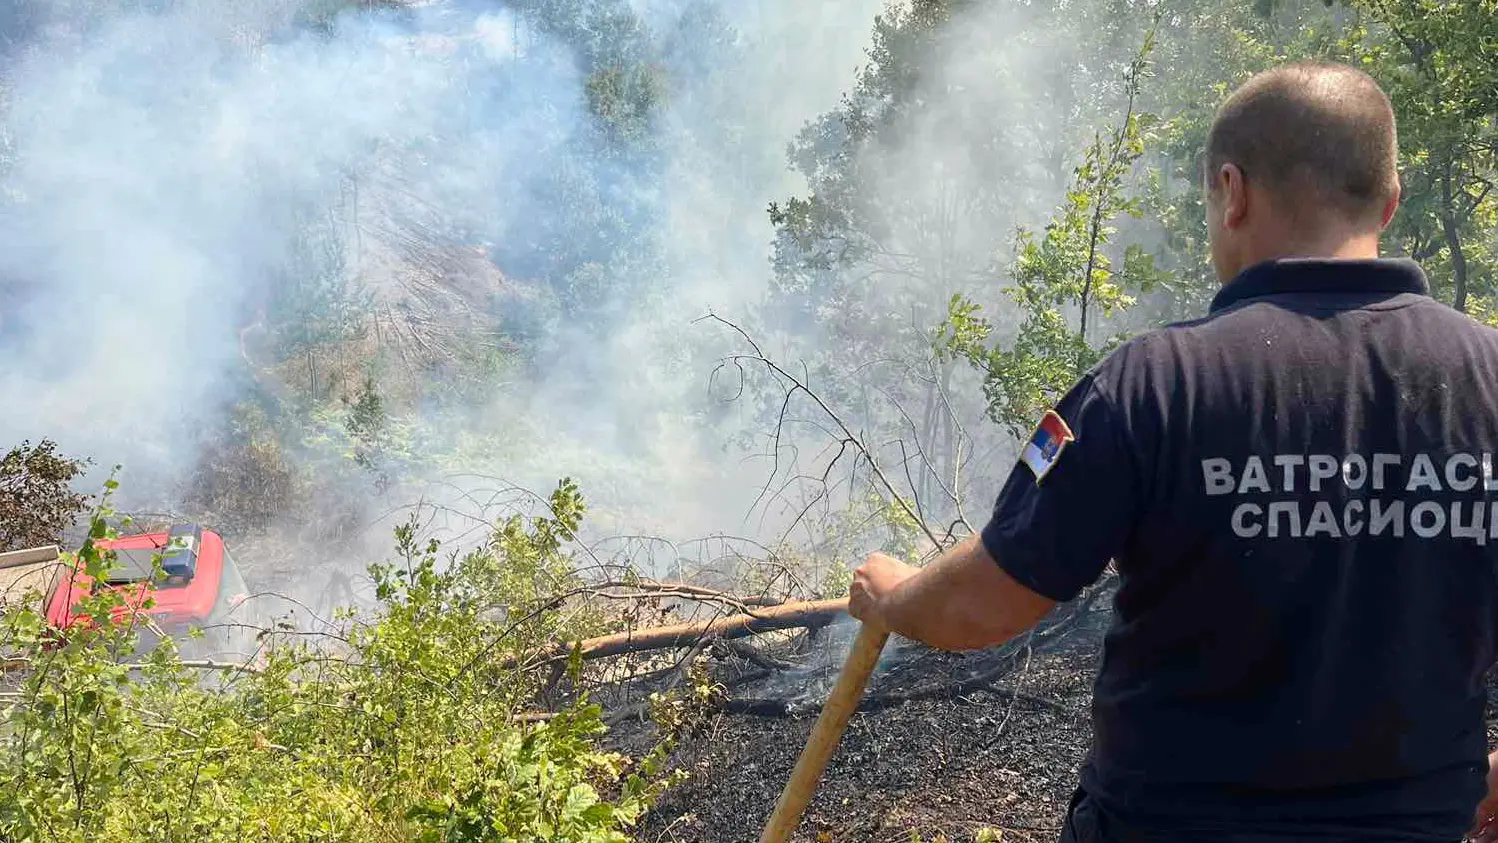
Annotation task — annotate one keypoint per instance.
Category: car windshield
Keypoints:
(133, 565)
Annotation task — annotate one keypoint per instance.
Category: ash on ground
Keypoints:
(944, 744)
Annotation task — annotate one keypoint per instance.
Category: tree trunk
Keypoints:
(948, 442)
(811, 614)
(927, 443)
(1449, 225)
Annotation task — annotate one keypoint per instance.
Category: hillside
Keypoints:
(484, 331)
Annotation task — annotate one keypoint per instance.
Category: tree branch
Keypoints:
(786, 616)
(798, 385)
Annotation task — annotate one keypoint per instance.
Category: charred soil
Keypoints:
(944, 744)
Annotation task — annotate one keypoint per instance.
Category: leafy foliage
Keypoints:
(403, 727)
(366, 424)
(37, 501)
(1437, 61)
(1067, 268)
(625, 98)
(937, 155)
(1432, 59)
(588, 238)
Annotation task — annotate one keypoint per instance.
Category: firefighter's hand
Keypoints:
(873, 582)
(1485, 823)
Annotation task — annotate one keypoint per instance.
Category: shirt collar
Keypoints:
(1323, 275)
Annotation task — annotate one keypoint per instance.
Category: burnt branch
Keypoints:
(786, 616)
(752, 655)
(1009, 657)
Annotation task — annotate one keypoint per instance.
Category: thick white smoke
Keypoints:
(162, 164)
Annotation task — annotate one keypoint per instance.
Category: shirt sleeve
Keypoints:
(1069, 504)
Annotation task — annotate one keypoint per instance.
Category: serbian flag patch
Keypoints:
(1045, 446)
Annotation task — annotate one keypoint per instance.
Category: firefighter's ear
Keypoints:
(1390, 207)
(1232, 190)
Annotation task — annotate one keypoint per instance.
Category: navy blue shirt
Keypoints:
(1300, 495)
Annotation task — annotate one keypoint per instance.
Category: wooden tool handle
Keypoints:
(825, 734)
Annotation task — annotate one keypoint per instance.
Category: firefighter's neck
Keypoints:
(1362, 247)
(1310, 234)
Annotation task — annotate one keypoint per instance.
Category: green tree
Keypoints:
(1066, 272)
(1436, 61)
(1439, 62)
(314, 302)
(37, 500)
(916, 183)
(366, 423)
(1209, 49)
(908, 187)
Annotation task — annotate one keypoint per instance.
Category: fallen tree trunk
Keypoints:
(807, 614)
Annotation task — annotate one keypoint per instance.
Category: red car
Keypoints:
(201, 588)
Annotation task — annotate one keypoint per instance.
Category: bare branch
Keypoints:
(798, 384)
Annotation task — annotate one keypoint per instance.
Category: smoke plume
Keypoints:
(196, 196)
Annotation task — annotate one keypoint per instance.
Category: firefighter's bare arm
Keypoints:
(962, 601)
(1485, 823)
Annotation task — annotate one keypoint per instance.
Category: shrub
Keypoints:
(402, 727)
(243, 479)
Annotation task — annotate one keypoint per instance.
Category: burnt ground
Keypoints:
(942, 745)
(955, 759)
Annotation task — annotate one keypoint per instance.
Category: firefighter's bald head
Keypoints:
(1305, 151)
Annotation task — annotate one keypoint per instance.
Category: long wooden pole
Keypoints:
(825, 734)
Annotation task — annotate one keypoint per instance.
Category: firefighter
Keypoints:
(1298, 492)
